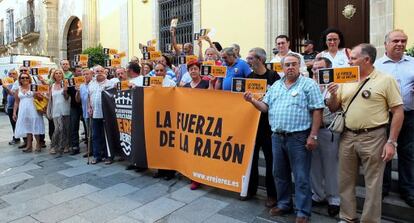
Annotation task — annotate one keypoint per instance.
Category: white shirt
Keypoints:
(340, 59)
(137, 81)
(168, 82)
(95, 93)
(303, 69)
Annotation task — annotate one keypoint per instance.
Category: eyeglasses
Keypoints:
(294, 64)
(24, 78)
(332, 40)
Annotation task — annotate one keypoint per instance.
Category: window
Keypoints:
(10, 26)
(181, 9)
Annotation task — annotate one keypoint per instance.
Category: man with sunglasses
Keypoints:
(294, 105)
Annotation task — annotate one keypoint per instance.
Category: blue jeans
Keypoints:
(98, 138)
(290, 155)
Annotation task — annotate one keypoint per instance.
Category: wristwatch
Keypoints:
(395, 144)
(314, 137)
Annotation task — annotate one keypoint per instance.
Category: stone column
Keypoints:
(277, 22)
(51, 25)
(381, 21)
(89, 24)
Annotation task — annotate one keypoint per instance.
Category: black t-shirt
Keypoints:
(309, 56)
(72, 95)
(204, 84)
(271, 77)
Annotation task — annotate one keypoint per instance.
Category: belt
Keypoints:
(359, 131)
(285, 134)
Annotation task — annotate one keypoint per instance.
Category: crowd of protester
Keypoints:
(293, 130)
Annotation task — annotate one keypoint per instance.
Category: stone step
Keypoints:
(394, 209)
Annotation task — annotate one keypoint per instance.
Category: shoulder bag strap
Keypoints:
(356, 94)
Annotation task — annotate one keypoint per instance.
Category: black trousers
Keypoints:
(12, 122)
(263, 141)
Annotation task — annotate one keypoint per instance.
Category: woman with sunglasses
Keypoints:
(29, 122)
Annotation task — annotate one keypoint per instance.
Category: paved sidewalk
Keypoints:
(39, 187)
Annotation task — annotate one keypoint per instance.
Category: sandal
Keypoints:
(27, 150)
(108, 162)
(94, 161)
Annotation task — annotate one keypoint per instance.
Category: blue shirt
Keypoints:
(84, 93)
(403, 72)
(240, 69)
(290, 109)
(170, 73)
(10, 99)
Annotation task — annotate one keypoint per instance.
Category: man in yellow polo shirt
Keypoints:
(364, 139)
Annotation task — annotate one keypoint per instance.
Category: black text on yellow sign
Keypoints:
(81, 58)
(186, 59)
(39, 71)
(76, 81)
(109, 51)
(113, 62)
(153, 81)
(339, 75)
(216, 71)
(152, 55)
(255, 86)
(31, 63)
(41, 88)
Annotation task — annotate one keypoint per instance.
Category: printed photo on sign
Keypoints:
(206, 70)
(31, 63)
(196, 36)
(339, 75)
(204, 32)
(122, 85)
(153, 81)
(108, 63)
(174, 23)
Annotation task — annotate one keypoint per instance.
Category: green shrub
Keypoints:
(410, 51)
(96, 55)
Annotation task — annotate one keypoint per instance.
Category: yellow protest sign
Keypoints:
(123, 85)
(41, 88)
(31, 63)
(339, 75)
(153, 81)
(7, 81)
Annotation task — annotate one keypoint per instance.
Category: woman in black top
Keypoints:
(194, 68)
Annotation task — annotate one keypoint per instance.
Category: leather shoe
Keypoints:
(74, 152)
(319, 203)
(271, 202)
(409, 200)
(301, 220)
(131, 167)
(275, 211)
(333, 210)
(22, 146)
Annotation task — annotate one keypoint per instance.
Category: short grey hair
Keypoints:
(368, 50)
(260, 53)
(387, 36)
(290, 55)
(229, 51)
(96, 67)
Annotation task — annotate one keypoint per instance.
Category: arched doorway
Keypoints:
(74, 39)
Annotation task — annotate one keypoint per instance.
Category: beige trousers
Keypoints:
(365, 149)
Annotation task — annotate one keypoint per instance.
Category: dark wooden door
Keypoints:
(74, 39)
(356, 28)
(308, 19)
